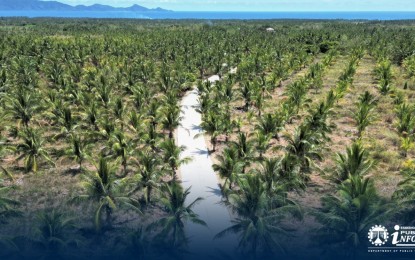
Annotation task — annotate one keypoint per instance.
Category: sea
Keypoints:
(218, 15)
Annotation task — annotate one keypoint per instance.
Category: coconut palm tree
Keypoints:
(172, 156)
(296, 93)
(211, 125)
(135, 244)
(258, 224)
(178, 213)
(170, 119)
(355, 161)
(121, 147)
(262, 143)
(304, 145)
(407, 144)
(148, 175)
(67, 122)
(22, 106)
(32, 149)
(119, 111)
(364, 117)
(8, 206)
(347, 216)
(91, 115)
(269, 173)
(54, 233)
(270, 124)
(78, 150)
(404, 197)
(245, 149)
(107, 191)
(228, 166)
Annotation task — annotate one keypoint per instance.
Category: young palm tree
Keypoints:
(67, 122)
(172, 225)
(317, 120)
(8, 206)
(304, 145)
(23, 106)
(107, 191)
(170, 119)
(355, 162)
(78, 150)
(262, 143)
(270, 125)
(32, 149)
(296, 93)
(245, 149)
(54, 233)
(119, 111)
(136, 245)
(258, 224)
(347, 216)
(364, 117)
(211, 125)
(404, 197)
(269, 173)
(91, 115)
(148, 175)
(247, 93)
(407, 144)
(172, 155)
(122, 147)
(228, 166)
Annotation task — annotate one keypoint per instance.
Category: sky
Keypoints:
(261, 5)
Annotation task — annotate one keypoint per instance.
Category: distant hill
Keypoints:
(37, 5)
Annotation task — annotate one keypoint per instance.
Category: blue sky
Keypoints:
(261, 5)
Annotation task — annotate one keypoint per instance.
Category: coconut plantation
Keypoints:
(188, 139)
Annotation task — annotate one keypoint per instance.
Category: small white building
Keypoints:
(270, 29)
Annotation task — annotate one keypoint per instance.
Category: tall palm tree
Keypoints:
(178, 213)
(32, 149)
(107, 191)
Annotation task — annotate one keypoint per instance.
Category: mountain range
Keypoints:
(37, 5)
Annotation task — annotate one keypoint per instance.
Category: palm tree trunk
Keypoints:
(149, 189)
(108, 216)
